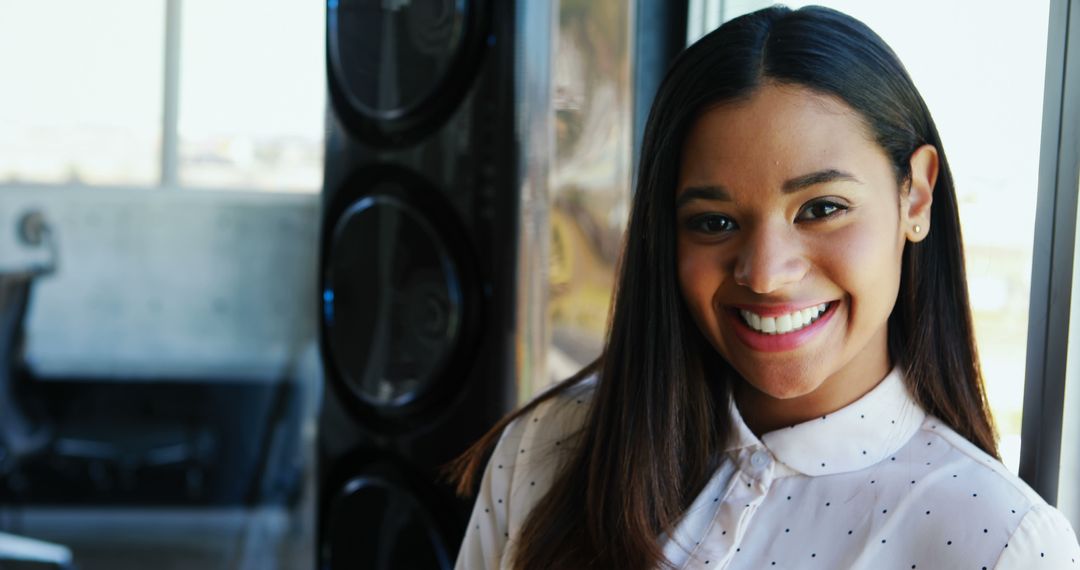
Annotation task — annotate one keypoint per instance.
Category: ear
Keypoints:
(916, 201)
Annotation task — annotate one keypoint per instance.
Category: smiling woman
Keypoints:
(800, 213)
(790, 375)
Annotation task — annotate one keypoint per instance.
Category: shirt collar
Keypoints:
(854, 437)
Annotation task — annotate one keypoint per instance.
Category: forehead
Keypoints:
(779, 132)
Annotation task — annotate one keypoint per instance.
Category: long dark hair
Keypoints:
(659, 418)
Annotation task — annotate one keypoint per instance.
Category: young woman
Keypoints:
(790, 378)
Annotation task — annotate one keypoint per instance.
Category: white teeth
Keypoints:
(768, 324)
(784, 323)
(797, 320)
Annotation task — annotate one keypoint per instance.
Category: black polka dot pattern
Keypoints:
(795, 497)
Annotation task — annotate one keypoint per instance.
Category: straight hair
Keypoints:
(659, 419)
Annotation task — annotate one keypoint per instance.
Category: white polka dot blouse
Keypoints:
(876, 485)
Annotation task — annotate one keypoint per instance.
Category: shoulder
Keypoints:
(542, 439)
(536, 446)
(995, 515)
(976, 469)
(1044, 538)
(528, 457)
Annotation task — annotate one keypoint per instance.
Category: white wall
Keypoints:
(169, 283)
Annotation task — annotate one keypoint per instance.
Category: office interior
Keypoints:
(266, 266)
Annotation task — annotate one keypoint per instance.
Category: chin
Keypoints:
(784, 385)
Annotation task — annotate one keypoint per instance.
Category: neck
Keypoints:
(764, 413)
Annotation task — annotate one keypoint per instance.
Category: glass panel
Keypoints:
(986, 97)
(252, 91)
(82, 90)
(590, 179)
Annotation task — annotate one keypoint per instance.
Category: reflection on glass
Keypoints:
(590, 181)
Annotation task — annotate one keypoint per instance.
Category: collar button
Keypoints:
(759, 459)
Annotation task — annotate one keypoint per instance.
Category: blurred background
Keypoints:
(266, 265)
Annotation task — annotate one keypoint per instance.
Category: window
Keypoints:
(252, 89)
(193, 93)
(81, 92)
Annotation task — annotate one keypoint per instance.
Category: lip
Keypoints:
(778, 342)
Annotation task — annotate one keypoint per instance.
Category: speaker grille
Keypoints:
(393, 301)
(377, 524)
(397, 67)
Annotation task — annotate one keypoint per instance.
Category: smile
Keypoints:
(783, 324)
(781, 332)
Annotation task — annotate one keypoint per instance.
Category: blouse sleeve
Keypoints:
(486, 537)
(1044, 539)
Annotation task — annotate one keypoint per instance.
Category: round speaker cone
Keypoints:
(389, 56)
(376, 524)
(393, 304)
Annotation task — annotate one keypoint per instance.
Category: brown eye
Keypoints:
(820, 209)
(710, 224)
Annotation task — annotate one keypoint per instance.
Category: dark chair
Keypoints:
(20, 436)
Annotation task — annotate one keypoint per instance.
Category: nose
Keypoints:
(770, 259)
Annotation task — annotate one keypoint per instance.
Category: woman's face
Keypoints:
(791, 227)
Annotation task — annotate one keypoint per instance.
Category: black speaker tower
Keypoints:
(418, 259)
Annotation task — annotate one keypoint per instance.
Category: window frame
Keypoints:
(170, 111)
(1053, 256)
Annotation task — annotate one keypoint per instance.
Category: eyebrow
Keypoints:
(716, 192)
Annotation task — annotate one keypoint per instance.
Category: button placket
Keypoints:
(748, 489)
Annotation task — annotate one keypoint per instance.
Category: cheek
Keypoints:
(700, 275)
(866, 263)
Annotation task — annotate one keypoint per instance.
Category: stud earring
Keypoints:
(917, 228)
